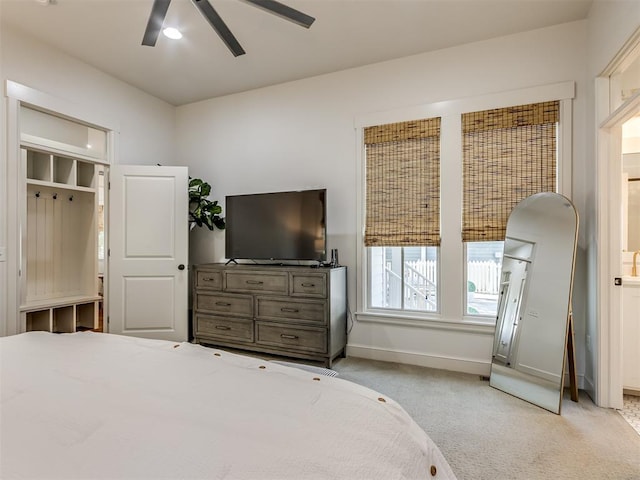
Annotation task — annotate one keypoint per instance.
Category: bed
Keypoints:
(91, 405)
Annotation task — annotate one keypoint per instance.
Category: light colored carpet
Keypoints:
(489, 435)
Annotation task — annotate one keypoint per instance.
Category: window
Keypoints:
(422, 264)
(404, 278)
(402, 228)
(57, 132)
(624, 83)
(508, 154)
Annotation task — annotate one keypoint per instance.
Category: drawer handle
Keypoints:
(290, 337)
(289, 310)
(308, 284)
(208, 279)
(223, 304)
(222, 327)
(254, 282)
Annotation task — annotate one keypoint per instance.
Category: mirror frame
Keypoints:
(553, 251)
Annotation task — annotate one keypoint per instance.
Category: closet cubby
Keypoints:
(39, 320)
(44, 168)
(38, 166)
(86, 174)
(63, 320)
(64, 170)
(86, 316)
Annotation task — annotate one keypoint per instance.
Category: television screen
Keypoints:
(277, 226)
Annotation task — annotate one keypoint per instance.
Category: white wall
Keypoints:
(610, 24)
(301, 135)
(146, 124)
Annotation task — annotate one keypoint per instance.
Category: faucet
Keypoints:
(634, 269)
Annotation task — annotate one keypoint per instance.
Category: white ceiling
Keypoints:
(347, 33)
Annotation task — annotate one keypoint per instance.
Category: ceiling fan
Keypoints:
(160, 7)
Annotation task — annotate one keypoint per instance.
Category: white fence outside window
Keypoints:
(421, 280)
(485, 275)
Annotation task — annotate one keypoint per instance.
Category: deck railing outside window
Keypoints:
(413, 285)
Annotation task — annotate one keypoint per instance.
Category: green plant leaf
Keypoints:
(202, 211)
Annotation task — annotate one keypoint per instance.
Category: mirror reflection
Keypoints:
(535, 297)
(515, 264)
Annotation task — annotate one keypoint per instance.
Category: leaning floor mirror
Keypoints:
(532, 327)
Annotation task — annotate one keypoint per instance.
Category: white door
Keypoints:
(148, 243)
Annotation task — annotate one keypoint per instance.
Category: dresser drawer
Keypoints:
(209, 280)
(309, 285)
(303, 339)
(226, 304)
(277, 282)
(224, 328)
(286, 309)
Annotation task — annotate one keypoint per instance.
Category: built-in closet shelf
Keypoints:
(59, 170)
(59, 220)
(61, 185)
(34, 142)
(57, 302)
(66, 315)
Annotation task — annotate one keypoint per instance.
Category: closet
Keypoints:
(63, 180)
(59, 218)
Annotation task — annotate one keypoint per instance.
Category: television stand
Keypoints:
(231, 260)
(292, 311)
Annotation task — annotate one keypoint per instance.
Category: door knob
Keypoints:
(181, 267)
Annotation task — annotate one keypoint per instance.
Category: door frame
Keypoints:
(16, 96)
(609, 259)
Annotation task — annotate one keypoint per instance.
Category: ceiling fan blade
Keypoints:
(284, 11)
(219, 26)
(156, 19)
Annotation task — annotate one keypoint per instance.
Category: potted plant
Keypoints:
(202, 211)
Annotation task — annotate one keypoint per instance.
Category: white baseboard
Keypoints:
(444, 363)
(579, 377)
(422, 360)
(588, 384)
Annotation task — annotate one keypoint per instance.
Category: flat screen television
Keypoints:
(277, 226)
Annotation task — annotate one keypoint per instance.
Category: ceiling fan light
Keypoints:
(172, 33)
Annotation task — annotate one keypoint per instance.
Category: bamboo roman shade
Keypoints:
(508, 154)
(403, 184)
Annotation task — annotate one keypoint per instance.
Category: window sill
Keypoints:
(408, 320)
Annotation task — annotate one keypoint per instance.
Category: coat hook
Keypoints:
(37, 194)
(55, 196)
(71, 198)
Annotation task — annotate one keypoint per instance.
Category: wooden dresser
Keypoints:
(292, 311)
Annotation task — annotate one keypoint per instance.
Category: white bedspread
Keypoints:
(90, 405)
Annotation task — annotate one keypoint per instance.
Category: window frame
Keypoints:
(451, 252)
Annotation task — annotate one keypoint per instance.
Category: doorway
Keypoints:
(61, 159)
(619, 89)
